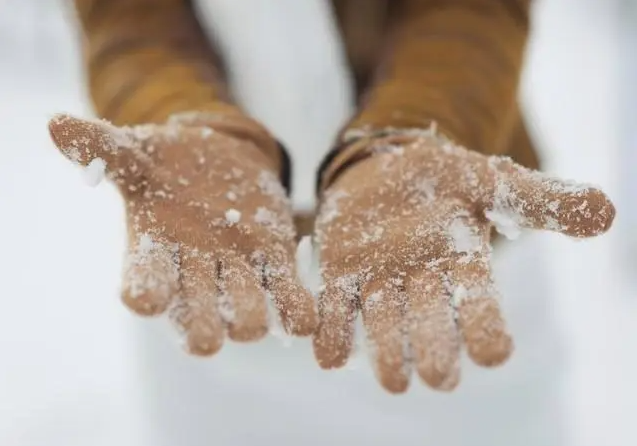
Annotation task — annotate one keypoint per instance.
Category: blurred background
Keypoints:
(75, 366)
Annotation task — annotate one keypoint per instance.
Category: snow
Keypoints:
(459, 294)
(463, 237)
(78, 369)
(329, 206)
(505, 219)
(265, 217)
(225, 308)
(233, 216)
(276, 328)
(138, 278)
(304, 259)
(95, 171)
(504, 222)
(145, 244)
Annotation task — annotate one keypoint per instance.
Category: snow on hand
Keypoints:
(233, 216)
(504, 218)
(95, 171)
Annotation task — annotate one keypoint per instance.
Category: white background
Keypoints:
(71, 371)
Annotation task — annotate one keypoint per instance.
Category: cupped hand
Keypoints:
(211, 236)
(404, 237)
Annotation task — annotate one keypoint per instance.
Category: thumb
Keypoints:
(82, 141)
(542, 202)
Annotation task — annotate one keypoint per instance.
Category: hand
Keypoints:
(210, 228)
(404, 238)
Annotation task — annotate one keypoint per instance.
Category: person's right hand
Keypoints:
(211, 235)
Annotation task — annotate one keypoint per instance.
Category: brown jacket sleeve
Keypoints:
(455, 62)
(147, 59)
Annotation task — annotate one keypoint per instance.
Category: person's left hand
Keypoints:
(404, 237)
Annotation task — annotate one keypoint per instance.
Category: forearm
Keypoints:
(148, 59)
(453, 62)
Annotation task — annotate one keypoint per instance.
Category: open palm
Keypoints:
(404, 238)
(211, 236)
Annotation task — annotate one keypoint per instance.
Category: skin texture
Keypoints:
(211, 236)
(405, 241)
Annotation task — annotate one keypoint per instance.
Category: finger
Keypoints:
(452, 380)
(383, 309)
(241, 288)
(537, 201)
(337, 308)
(479, 318)
(151, 275)
(198, 312)
(433, 334)
(293, 301)
(82, 141)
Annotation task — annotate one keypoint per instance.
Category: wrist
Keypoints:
(357, 145)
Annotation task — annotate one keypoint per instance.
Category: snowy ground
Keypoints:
(77, 369)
